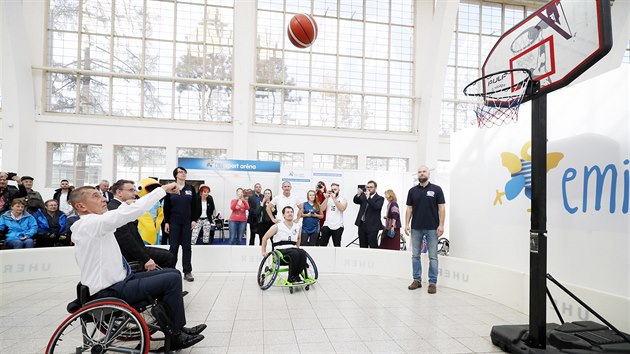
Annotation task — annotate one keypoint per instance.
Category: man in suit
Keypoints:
(131, 244)
(369, 217)
(254, 217)
(104, 189)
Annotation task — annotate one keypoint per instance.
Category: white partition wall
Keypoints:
(587, 189)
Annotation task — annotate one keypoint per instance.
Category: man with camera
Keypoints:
(334, 206)
(369, 217)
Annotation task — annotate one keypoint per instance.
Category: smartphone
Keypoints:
(362, 186)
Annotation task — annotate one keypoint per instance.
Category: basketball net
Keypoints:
(497, 97)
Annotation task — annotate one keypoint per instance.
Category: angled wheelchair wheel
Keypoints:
(443, 246)
(101, 327)
(311, 268)
(268, 270)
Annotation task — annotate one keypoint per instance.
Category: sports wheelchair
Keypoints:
(274, 269)
(110, 325)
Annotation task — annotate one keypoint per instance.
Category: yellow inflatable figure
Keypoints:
(150, 222)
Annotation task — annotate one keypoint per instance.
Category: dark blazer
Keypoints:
(129, 240)
(10, 193)
(110, 196)
(372, 214)
(196, 213)
(254, 210)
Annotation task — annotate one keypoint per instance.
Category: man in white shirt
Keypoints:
(283, 200)
(285, 237)
(333, 226)
(61, 195)
(106, 273)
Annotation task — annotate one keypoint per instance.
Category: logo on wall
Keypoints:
(521, 173)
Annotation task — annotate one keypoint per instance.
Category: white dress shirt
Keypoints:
(95, 248)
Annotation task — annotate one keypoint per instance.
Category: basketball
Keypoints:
(302, 30)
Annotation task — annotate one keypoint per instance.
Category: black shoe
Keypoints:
(189, 277)
(183, 340)
(194, 330)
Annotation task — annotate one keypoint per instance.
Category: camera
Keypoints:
(319, 186)
(10, 175)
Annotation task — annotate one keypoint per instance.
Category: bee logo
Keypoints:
(521, 172)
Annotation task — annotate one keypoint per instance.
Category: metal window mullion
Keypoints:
(337, 66)
(173, 82)
(111, 56)
(203, 62)
(78, 85)
(144, 58)
(140, 159)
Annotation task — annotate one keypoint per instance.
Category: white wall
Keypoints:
(589, 124)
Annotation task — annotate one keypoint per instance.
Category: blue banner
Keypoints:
(196, 163)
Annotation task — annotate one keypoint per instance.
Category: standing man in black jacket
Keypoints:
(369, 218)
(254, 217)
(131, 244)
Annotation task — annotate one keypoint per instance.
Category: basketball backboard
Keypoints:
(557, 43)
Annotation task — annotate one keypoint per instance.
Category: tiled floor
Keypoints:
(340, 314)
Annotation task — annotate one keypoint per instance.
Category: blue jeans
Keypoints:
(28, 243)
(237, 230)
(416, 246)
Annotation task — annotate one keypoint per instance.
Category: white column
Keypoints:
(18, 100)
(244, 66)
(434, 24)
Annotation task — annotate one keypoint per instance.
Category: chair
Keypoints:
(273, 269)
(109, 324)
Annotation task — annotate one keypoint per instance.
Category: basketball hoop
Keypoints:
(498, 96)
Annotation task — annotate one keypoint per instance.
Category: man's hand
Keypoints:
(407, 230)
(193, 224)
(440, 231)
(359, 191)
(265, 253)
(150, 265)
(167, 228)
(171, 188)
(277, 220)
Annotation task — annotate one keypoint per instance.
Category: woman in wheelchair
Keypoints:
(106, 273)
(285, 237)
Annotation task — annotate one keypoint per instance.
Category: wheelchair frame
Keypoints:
(110, 324)
(273, 265)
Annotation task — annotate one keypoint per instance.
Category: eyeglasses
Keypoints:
(130, 190)
(180, 171)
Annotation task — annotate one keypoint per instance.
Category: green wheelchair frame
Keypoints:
(274, 269)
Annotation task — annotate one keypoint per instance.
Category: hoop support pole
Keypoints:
(538, 238)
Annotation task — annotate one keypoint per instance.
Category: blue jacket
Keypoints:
(26, 226)
(44, 228)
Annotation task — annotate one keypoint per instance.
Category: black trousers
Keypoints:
(165, 284)
(255, 228)
(367, 239)
(163, 258)
(327, 233)
(296, 258)
(180, 235)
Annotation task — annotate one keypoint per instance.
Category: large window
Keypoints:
(138, 162)
(286, 159)
(202, 153)
(335, 162)
(342, 80)
(479, 26)
(387, 164)
(80, 164)
(155, 59)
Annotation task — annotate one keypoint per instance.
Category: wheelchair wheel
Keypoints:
(311, 268)
(126, 331)
(268, 270)
(443, 246)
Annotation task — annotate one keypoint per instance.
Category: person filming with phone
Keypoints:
(369, 217)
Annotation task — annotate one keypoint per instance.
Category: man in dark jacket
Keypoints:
(8, 193)
(131, 244)
(369, 218)
(254, 217)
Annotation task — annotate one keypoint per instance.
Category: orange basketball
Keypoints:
(302, 30)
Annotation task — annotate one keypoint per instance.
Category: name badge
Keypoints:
(430, 194)
(188, 192)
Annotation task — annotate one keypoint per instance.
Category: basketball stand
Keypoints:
(543, 53)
